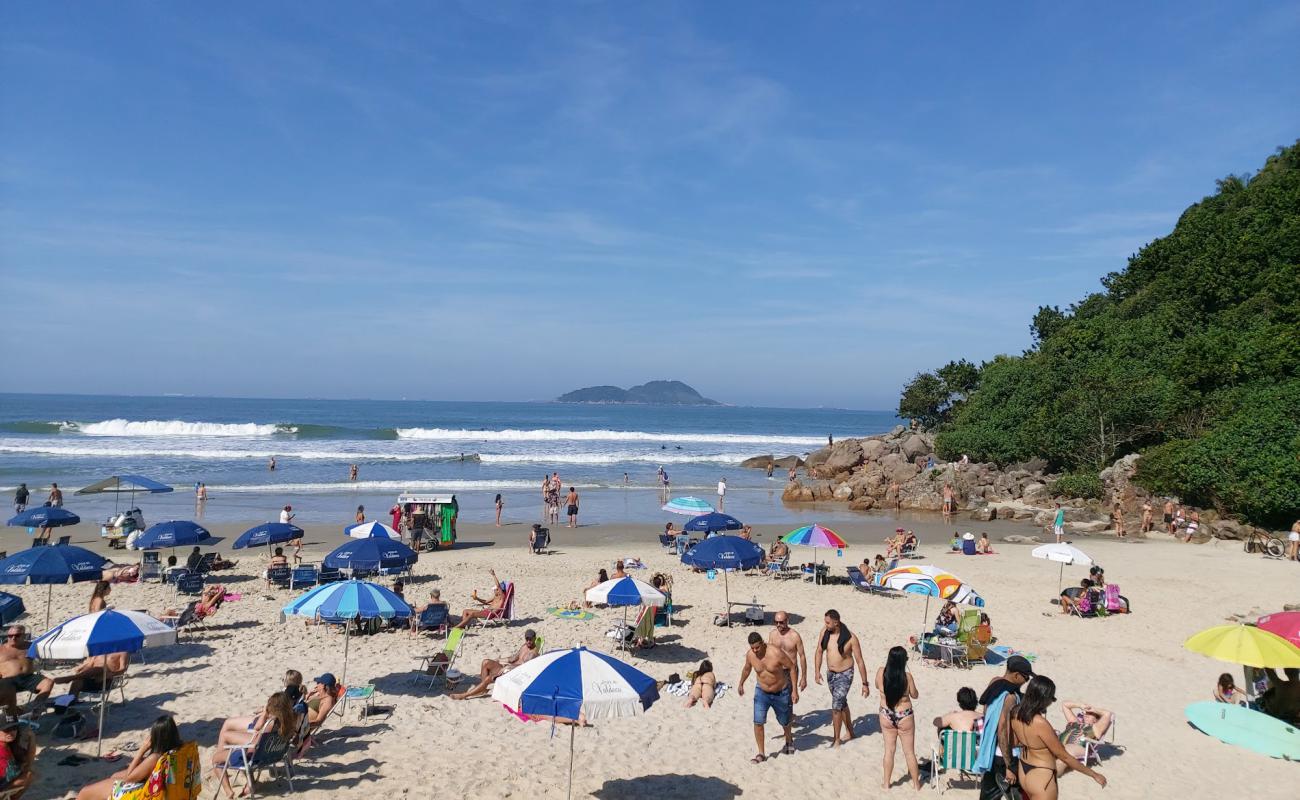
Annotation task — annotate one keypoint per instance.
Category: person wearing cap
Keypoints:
(321, 699)
(999, 700)
(492, 669)
(18, 672)
(17, 752)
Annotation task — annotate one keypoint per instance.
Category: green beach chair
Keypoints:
(434, 669)
(970, 620)
(960, 749)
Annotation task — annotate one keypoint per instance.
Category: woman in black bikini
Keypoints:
(1039, 746)
(897, 720)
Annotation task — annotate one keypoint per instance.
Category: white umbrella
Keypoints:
(626, 591)
(1063, 554)
(100, 634)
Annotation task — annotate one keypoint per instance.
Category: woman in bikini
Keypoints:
(704, 687)
(897, 720)
(1039, 747)
(1083, 722)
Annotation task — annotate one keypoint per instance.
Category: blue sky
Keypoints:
(781, 204)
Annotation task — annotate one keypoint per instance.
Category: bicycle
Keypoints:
(1271, 546)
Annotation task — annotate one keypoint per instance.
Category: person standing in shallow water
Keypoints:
(572, 502)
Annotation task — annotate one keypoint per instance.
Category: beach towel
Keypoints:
(999, 653)
(988, 744)
(683, 688)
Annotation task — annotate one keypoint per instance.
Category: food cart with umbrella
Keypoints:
(578, 686)
(43, 518)
(101, 634)
(724, 553)
(346, 602)
(122, 523)
(51, 564)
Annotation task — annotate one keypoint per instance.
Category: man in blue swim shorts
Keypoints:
(777, 689)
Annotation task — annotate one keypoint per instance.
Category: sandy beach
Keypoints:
(423, 744)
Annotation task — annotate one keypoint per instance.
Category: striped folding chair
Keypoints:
(960, 749)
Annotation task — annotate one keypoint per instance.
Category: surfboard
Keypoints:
(1245, 727)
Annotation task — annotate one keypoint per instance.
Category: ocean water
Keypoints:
(474, 450)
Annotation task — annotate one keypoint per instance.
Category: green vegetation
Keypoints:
(1190, 355)
(1078, 484)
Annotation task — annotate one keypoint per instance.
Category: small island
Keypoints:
(658, 393)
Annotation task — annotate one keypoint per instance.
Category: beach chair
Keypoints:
(970, 619)
(860, 581)
(65, 540)
(184, 621)
(176, 776)
(503, 615)
(205, 563)
(328, 575)
(150, 565)
(1115, 603)
(364, 694)
(780, 568)
(189, 583)
(270, 750)
(1092, 747)
(303, 576)
(668, 542)
(541, 541)
(960, 749)
(434, 668)
(910, 550)
(279, 576)
(434, 618)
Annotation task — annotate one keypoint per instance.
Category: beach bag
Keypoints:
(70, 726)
(1113, 601)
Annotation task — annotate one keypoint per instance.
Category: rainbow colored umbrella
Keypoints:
(814, 536)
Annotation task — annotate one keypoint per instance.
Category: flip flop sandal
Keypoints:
(758, 759)
(788, 750)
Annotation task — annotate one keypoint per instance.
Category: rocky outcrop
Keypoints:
(761, 462)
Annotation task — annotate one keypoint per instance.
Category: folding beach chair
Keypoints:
(176, 776)
(329, 575)
(668, 542)
(189, 583)
(779, 568)
(270, 750)
(960, 750)
(541, 541)
(364, 694)
(434, 618)
(303, 576)
(1092, 747)
(503, 615)
(184, 621)
(436, 665)
(970, 619)
(65, 540)
(206, 561)
(279, 576)
(150, 565)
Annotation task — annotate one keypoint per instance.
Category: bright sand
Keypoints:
(431, 746)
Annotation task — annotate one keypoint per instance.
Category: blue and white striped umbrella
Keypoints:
(578, 684)
(345, 601)
(626, 591)
(690, 506)
(371, 554)
(370, 530)
(99, 634)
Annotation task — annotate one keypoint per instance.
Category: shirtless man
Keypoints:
(841, 651)
(497, 602)
(777, 677)
(1169, 516)
(897, 492)
(89, 675)
(788, 641)
(948, 503)
(18, 672)
(492, 669)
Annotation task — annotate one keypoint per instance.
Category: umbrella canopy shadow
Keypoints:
(670, 648)
(659, 787)
(181, 651)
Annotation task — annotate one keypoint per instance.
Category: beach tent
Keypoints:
(51, 564)
(724, 553)
(344, 602)
(1063, 554)
(578, 685)
(268, 533)
(98, 634)
(690, 506)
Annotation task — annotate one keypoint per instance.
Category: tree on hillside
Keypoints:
(932, 397)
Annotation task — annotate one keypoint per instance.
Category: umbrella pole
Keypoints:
(1060, 580)
(347, 639)
(49, 598)
(103, 701)
(572, 729)
(726, 588)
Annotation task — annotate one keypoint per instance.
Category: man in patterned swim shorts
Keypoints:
(841, 650)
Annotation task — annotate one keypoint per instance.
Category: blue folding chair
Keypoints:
(303, 576)
(189, 583)
(434, 618)
(279, 576)
(271, 750)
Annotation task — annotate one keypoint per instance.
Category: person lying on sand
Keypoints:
(89, 675)
(703, 686)
(491, 669)
(497, 603)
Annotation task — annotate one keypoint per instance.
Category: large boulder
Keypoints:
(817, 458)
(896, 467)
(862, 503)
(873, 449)
(843, 491)
(844, 455)
(797, 492)
(758, 462)
(1034, 492)
(914, 446)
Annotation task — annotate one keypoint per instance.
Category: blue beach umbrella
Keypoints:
(176, 533)
(98, 634)
(44, 517)
(371, 530)
(712, 523)
(267, 534)
(117, 485)
(724, 553)
(576, 684)
(60, 563)
(626, 591)
(690, 506)
(371, 554)
(345, 601)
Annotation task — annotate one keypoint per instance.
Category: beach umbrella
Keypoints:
(930, 581)
(346, 601)
(100, 634)
(626, 591)
(175, 533)
(44, 517)
(690, 506)
(268, 533)
(1284, 623)
(1245, 644)
(11, 608)
(814, 536)
(577, 684)
(724, 553)
(1063, 554)
(712, 523)
(371, 554)
(51, 564)
(118, 485)
(370, 530)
